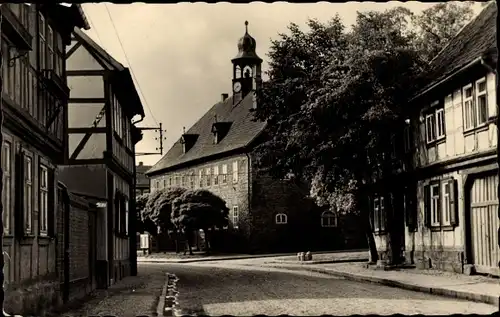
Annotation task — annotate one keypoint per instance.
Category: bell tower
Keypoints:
(246, 67)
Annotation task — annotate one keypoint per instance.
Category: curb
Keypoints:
(322, 262)
(242, 257)
(161, 301)
(481, 298)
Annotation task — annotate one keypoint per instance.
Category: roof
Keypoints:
(474, 40)
(242, 132)
(114, 65)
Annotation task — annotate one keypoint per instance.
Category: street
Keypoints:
(215, 289)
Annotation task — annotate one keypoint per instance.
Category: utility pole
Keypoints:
(160, 138)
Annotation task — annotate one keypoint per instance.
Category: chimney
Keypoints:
(141, 163)
(224, 97)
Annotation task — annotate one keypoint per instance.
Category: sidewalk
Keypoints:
(198, 257)
(474, 288)
(133, 296)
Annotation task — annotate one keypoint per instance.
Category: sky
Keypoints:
(180, 54)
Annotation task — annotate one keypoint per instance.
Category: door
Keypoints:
(484, 224)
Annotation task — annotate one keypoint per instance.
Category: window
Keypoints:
(126, 216)
(328, 219)
(440, 133)
(170, 181)
(200, 178)
(446, 203)
(469, 115)
(191, 180)
(177, 180)
(183, 181)
(481, 102)
(28, 194)
(157, 184)
(208, 173)
(6, 193)
(216, 175)
(235, 216)
(44, 200)
(440, 206)
(281, 219)
(435, 212)
(435, 122)
(164, 183)
(430, 127)
(42, 41)
(50, 48)
(59, 58)
(235, 171)
(224, 173)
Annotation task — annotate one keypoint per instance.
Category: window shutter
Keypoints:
(116, 213)
(427, 206)
(453, 202)
(52, 185)
(19, 210)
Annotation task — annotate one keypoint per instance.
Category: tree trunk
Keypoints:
(207, 244)
(364, 209)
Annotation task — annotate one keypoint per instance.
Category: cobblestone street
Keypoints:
(212, 289)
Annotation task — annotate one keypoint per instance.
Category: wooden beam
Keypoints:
(87, 130)
(88, 72)
(87, 100)
(87, 136)
(73, 49)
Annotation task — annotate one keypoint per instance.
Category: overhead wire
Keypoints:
(130, 66)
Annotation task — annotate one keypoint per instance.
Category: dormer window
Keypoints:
(220, 130)
(187, 141)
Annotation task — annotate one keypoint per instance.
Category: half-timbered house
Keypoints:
(34, 96)
(101, 156)
(455, 223)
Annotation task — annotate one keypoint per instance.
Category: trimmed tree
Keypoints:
(199, 209)
(144, 223)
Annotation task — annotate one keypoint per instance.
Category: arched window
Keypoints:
(328, 219)
(281, 219)
(247, 72)
(237, 72)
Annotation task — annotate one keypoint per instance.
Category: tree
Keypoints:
(334, 99)
(199, 209)
(144, 223)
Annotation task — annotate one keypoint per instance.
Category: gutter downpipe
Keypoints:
(458, 71)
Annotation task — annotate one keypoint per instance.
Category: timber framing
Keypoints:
(89, 72)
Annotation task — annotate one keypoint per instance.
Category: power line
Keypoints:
(92, 25)
(128, 62)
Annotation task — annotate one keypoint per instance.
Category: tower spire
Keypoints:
(246, 27)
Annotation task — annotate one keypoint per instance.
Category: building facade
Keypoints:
(142, 183)
(34, 96)
(101, 151)
(216, 153)
(450, 198)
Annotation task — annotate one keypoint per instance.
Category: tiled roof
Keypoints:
(242, 132)
(473, 41)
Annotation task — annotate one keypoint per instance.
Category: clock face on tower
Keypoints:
(237, 87)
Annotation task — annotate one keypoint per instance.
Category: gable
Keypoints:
(82, 59)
